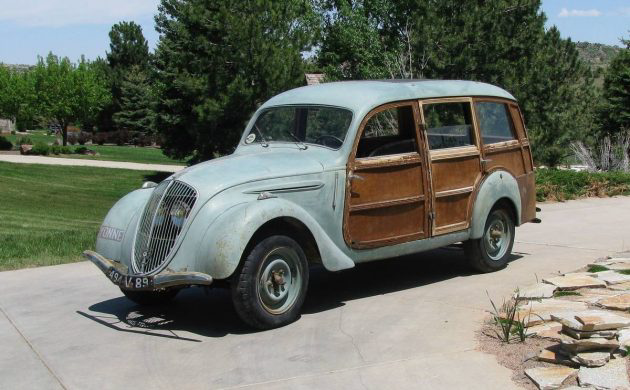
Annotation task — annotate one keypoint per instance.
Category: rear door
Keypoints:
(386, 192)
(449, 129)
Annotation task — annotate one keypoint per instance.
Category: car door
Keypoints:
(455, 161)
(386, 190)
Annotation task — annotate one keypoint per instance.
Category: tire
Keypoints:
(263, 296)
(147, 298)
(491, 252)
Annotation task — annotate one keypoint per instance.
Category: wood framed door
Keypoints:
(449, 127)
(386, 187)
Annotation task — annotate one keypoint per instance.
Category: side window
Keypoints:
(495, 122)
(391, 131)
(449, 125)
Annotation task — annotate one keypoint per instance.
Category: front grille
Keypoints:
(161, 223)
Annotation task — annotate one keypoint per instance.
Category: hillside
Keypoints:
(597, 56)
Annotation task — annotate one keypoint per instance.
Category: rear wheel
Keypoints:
(150, 297)
(492, 251)
(270, 286)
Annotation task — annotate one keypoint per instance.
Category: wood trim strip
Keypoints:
(452, 153)
(390, 240)
(412, 158)
(457, 191)
(451, 228)
(387, 203)
(502, 146)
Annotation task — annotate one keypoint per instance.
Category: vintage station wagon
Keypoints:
(335, 174)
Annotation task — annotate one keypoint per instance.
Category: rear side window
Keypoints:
(391, 131)
(449, 125)
(495, 122)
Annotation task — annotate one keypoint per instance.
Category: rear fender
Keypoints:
(496, 186)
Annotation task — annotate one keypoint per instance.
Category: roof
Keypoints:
(364, 95)
(314, 78)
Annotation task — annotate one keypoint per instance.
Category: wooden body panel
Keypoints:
(403, 197)
(386, 196)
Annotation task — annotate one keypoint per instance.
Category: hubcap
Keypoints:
(280, 280)
(498, 236)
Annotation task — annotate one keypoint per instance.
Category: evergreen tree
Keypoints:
(218, 61)
(128, 49)
(136, 104)
(615, 114)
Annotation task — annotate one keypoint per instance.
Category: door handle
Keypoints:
(353, 176)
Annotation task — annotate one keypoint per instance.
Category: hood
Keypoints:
(213, 176)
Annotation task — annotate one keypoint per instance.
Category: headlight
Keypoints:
(178, 213)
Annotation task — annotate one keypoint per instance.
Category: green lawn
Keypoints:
(144, 155)
(50, 214)
(127, 153)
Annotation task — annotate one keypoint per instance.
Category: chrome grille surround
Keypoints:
(157, 234)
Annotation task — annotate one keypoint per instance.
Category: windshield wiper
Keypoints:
(264, 142)
(299, 143)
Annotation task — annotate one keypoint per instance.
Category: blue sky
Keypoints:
(73, 27)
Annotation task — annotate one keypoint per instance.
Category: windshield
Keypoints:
(326, 126)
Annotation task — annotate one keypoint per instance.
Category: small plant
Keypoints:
(13, 132)
(597, 268)
(5, 144)
(508, 320)
(40, 149)
(624, 271)
(565, 293)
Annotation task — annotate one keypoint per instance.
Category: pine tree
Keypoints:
(136, 103)
(216, 62)
(615, 115)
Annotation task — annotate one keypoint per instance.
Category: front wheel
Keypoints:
(270, 286)
(491, 252)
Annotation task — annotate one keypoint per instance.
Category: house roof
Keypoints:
(361, 96)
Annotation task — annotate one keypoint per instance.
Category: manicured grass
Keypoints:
(50, 214)
(553, 184)
(144, 155)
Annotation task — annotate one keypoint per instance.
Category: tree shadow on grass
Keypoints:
(157, 176)
(209, 312)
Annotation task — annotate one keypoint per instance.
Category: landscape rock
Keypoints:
(593, 344)
(549, 377)
(592, 359)
(574, 281)
(613, 277)
(617, 302)
(553, 355)
(611, 376)
(25, 149)
(551, 326)
(581, 334)
(601, 320)
(624, 338)
(536, 312)
(537, 291)
(625, 286)
(620, 266)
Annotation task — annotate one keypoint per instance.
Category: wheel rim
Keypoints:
(280, 280)
(498, 236)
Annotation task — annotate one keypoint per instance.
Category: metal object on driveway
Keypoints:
(342, 173)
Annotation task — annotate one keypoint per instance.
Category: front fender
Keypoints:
(224, 242)
(498, 185)
(117, 232)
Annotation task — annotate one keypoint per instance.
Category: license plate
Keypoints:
(130, 282)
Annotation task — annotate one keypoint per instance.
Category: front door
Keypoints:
(386, 191)
(449, 130)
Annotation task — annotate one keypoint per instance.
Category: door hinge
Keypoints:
(431, 216)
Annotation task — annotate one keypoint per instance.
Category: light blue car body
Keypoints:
(305, 187)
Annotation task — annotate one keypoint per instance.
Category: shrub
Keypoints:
(5, 144)
(80, 150)
(24, 141)
(84, 137)
(13, 132)
(72, 139)
(554, 184)
(99, 138)
(40, 149)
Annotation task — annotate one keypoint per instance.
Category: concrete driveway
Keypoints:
(403, 323)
